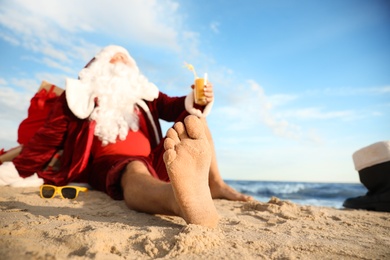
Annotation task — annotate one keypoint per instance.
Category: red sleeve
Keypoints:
(169, 108)
(45, 142)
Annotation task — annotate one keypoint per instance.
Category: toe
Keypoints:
(169, 156)
(172, 134)
(194, 127)
(169, 143)
(181, 131)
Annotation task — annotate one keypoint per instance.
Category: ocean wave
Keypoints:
(305, 193)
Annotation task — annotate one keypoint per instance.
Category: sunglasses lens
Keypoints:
(48, 192)
(69, 193)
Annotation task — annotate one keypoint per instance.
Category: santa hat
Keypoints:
(371, 155)
(79, 93)
(373, 164)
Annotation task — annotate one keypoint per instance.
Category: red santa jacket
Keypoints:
(64, 131)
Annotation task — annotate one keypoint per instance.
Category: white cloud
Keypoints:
(279, 126)
(56, 79)
(3, 81)
(381, 90)
(57, 65)
(59, 29)
(317, 113)
(26, 86)
(281, 99)
(191, 40)
(250, 108)
(8, 136)
(147, 21)
(351, 91)
(10, 39)
(314, 137)
(15, 103)
(214, 26)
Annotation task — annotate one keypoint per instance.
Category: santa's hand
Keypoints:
(208, 92)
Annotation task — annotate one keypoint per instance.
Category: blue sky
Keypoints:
(299, 85)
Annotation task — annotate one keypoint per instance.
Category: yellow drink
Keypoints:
(199, 96)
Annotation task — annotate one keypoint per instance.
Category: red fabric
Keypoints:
(1, 152)
(64, 131)
(106, 171)
(136, 143)
(40, 107)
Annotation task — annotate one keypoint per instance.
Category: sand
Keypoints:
(96, 227)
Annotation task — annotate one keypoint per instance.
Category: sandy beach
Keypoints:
(96, 227)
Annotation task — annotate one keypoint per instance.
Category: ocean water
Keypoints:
(303, 193)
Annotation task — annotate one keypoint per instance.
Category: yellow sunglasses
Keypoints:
(66, 192)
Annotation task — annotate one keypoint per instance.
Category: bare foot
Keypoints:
(187, 158)
(224, 191)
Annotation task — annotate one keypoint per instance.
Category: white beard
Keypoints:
(117, 90)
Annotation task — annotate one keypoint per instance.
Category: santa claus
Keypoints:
(107, 125)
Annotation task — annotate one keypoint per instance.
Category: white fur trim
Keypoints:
(143, 105)
(111, 50)
(31, 181)
(8, 174)
(79, 98)
(371, 155)
(150, 91)
(189, 105)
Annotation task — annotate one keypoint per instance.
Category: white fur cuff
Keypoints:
(189, 105)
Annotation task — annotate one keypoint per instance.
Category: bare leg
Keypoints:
(219, 189)
(187, 158)
(188, 195)
(144, 193)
